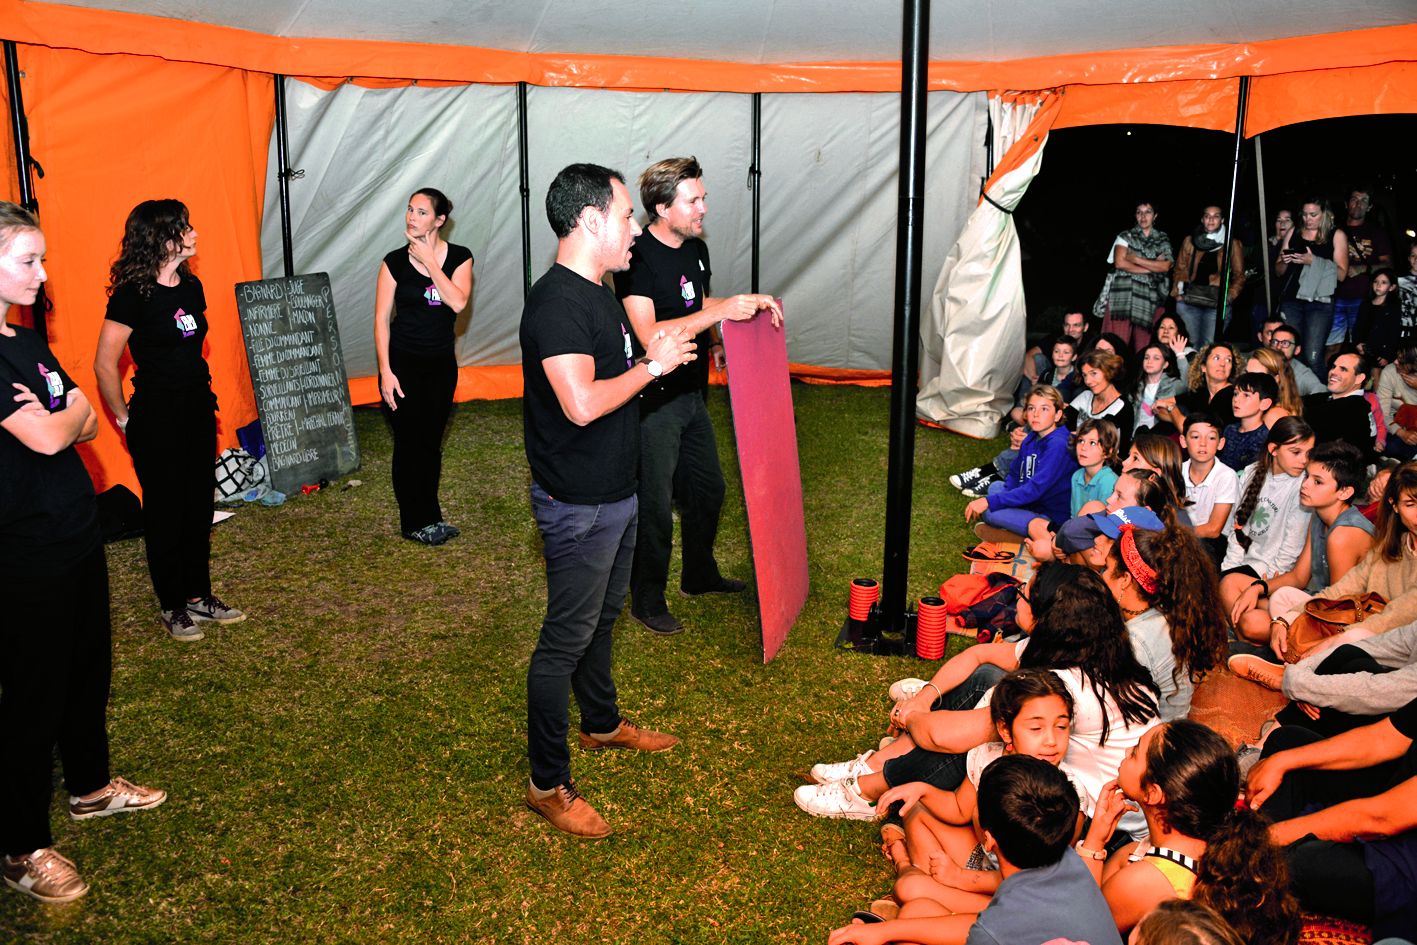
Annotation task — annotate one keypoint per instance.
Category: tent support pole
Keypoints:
(755, 180)
(905, 344)
(1264, 227)
(525, 189)
(1220, 303)
(283, 176)
(23, 162)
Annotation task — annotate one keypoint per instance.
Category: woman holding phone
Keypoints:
(1318, 252)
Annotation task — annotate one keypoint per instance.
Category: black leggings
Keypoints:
(428, 383)
(1343, 660)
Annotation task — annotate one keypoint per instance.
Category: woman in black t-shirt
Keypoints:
(55, 656)
(156, 310)
(422, 287)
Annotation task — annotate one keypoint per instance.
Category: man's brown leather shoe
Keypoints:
(568, 812)
(631, 735)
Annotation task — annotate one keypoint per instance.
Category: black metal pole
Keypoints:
(19, 126)
(283, 176)
(1220, 302)
(755, 180)
(525, 189)
(905, 346)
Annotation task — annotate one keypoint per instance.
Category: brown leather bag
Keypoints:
(1323, 618)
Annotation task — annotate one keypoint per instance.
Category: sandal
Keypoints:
(987, 551)
(892, 834)
(866, 918)
(887, 909)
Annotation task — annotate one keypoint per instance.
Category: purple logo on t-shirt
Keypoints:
(686, 289)
(431, 294)
(53, 383)
(185, 323)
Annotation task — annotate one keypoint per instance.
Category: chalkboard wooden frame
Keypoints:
(297, 370)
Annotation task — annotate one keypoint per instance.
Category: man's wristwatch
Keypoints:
(655, 368)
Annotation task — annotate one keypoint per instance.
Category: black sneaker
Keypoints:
(664, 625)
(428, 535)
(980, 487)
(969, 477)
(724, 586)
(452, 531)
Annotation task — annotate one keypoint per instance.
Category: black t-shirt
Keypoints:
(1366, 243)
(677, 282)
(423, 323)
(1221, 406)
(168, 327)
(1349, 419)
(48, 517)
(566, 313)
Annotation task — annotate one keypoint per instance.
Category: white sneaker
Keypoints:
(903, 689)
(827, 774)
(837, 800)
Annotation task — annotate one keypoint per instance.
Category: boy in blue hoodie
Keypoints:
(1039, 480)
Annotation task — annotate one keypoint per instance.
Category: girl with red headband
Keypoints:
(1165, 585)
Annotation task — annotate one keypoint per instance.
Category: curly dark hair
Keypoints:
(152, 227)
(1245, 878)
(1081, 627)
(1187, 594)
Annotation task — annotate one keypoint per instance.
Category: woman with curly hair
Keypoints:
(1200, 845)
(157, 311)
(1165, 585)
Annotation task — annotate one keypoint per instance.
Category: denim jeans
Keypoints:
(678, 467)
(1345, 320)
(1200, 322)
(1313, 319)
(944, 771)
(1015, 520)
(588, 549)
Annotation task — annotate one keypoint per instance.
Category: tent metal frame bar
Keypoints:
(284, 176)
(524, 187)
(755, 183)
(24, 164)
(905, 343)
(1221, 301)
(1264, 229)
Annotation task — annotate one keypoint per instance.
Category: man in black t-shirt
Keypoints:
(667, 287)
(1343, 413)
(580, 379)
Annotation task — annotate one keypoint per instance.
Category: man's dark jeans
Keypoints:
(588, 550)
(678, 467)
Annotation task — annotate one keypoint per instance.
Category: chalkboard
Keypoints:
(297, 369)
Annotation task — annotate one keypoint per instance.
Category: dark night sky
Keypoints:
(1092, 179)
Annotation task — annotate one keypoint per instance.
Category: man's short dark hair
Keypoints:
(660, 182)
(1030, 808)
(1360, 368)
(1258, 382)
(578, 186)
(1288, 329)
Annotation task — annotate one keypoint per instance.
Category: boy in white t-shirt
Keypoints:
(1212, 487)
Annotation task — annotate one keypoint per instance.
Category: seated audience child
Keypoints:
(1166, 590)
(1077, 632)
(1183, 922)
(1141, 496)
(1061, 373)
(1159, 380)
(1397, 398)
(1339, 537)
(1095, 451)
(1267, 529)
(1032, 712)
(1186, 780)
(1028, 811)
(1102, 372)
(1346, 812)
(1212, 488)
(1271, 362)
(1244, 439)
(1208, 388)
(1038, 480)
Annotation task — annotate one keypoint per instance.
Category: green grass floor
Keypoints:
(348, 765)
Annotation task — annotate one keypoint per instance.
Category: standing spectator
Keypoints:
(1266, 309)
(156, 309)
(1197, 278)
(1369, 250)
(1318, 252)
(1142, 260)
(55, 648)
(426, 283)
(1378, 331)
(1407, 293)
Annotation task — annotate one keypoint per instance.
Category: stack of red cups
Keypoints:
(864, 593)
(930, 629)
